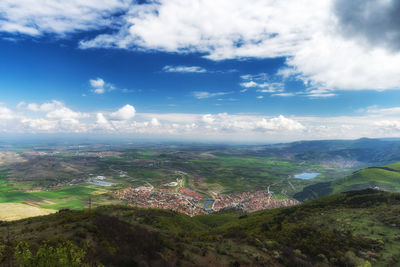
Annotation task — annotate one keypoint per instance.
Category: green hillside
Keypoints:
(348, 229)
(384, 178)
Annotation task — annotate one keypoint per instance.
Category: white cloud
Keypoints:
(184, 69)
(263, 82)
(311, 35)
(221, 29)
(208, 118)
(33, 107)
(249, 84)
(99, 86)
(102, 122)
(319, 93)
(307, 32)
(64, 113)
(37, 17)
(6, 114)
(101, 119)
(224, 122)
(21, 105)
(279, 123)
(377, 111)
(320, 49)
(205, 94)
(39, 125)
(284, 94)
(271, 88)
(56, 117)
(54, 110)
(125, 113)
(389, 125)
(155, 122)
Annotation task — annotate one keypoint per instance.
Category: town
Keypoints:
(192, 203)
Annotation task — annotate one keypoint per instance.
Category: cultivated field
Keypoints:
(17, 211)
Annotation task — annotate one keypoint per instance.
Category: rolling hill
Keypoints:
(357, 228)
(385, 178)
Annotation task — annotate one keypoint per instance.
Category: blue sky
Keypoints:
(220, 70)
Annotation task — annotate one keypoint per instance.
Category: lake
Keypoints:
(306, 175)
(102, 183)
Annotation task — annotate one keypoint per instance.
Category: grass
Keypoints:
(385, 178)
(237, 174)
(75, 197)
(364, 222)
(17, 211)
(394, 166)
(17, 197)
(75, 191)
(370, 177)
(74, 204)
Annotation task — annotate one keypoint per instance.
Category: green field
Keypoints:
(71, 197)
(385, 179)
(210, 169)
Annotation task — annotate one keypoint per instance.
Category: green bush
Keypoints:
(65, 254)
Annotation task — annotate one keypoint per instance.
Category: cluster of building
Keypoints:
(101, 154)
(190, 202)
(251, 201)
(191, 193)
(147, 197)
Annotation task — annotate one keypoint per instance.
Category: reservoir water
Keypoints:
(306, 175)
(102, 183)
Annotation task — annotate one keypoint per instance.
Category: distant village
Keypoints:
(192, 203)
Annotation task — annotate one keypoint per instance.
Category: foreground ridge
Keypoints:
(353, 228)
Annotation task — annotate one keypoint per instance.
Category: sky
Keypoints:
(201, 70)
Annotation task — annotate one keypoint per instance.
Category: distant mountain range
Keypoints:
(364, 150)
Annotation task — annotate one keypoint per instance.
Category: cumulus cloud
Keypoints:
(102, 122)
(332, 44)
(99, 86)
(54, 110)
(234, 123)
(125, 113)
(184, 69)
(56, 117)
(320, 49)
(6, 114)
(279, 123)
(45, 107)
(220, 29)
(155, 122)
